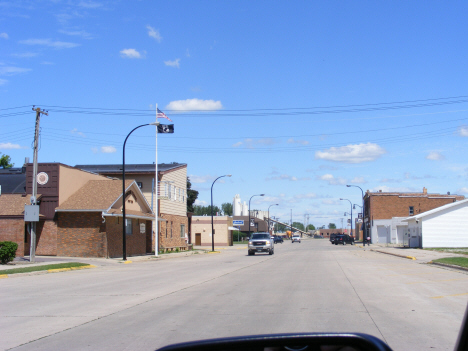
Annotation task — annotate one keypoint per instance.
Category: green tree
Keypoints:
(310, 227)
(298, 225)
(331, 226)
(227, 208)
(5, 161)
(192, 195)
(199, 210)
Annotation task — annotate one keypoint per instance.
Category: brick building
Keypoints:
(79, 214)
(384, 212)
(172, 198)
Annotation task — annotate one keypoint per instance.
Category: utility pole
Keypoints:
(32, 252)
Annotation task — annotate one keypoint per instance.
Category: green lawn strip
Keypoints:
(42, 268)
(460, 250)
(456, 261)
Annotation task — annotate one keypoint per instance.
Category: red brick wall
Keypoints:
(46, 238)
(135, 243)
(81, 234)
(13, 230)
(173, 222)
(388, 206)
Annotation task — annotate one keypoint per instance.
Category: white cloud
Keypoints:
(3, 81)
(3, 35)
(239, 143)
(89, 4)
(463, 131)
(358, 180)
(352, 153)
(154, 33)
(10, 70)
(306, 196)
(50, 43)
(332, 180)
(77, 33)
(9, 146)
(435, 156)
(463, 190)
(108, 149)
(200, 179)
(131, 53)
(75, 131)
(330, 202)
(26, 55)
(94, 150)
(301, 142)
(187, 53)
(388, 189)
(194, 105)
(287, 177)
(200, 203)
(175, 63)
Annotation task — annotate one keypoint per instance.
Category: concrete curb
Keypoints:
(57, 270)
(449, 266)
(394, 254)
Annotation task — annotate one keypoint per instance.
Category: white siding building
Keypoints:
(445, 226)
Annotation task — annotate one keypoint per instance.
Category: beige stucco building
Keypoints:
(201, 230)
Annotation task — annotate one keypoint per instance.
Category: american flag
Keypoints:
(161, 114)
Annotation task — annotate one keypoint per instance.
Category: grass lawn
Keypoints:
(43, 268)
(458, 250)
(456, 261)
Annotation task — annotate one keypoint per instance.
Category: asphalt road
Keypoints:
(308, 287)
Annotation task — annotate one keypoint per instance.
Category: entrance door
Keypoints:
(382, 234)
(198, 239)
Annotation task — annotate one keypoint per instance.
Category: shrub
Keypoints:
(7, 251)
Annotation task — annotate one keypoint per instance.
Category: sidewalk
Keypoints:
(419, 255)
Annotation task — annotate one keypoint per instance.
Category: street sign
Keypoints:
(252, 222)
(349, 221)
(359, 215)
(238, 222)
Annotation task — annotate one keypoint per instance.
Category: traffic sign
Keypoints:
(238, 222)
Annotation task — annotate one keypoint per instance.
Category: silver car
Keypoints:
(261, 242)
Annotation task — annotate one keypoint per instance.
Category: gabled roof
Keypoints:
(438, 209)
(131, 168)
(95, 195)
(13, 204)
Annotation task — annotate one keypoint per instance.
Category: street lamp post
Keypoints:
(351, 214)
(362, 207)
(212, 226)
(249, 209)
(124, 235)
(269, 216)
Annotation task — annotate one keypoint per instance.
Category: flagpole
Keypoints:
(156, 241)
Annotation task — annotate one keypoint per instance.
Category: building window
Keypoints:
(411, 210)
(175, 193)
(128, 226)
(140, 184)
(183, 195)
(169, 191)
(182, 230)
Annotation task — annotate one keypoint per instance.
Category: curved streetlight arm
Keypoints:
(269, 215)
(124, 236)
(351, 204)
(362, 207)
(212, 225)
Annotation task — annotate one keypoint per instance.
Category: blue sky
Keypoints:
(295, 99)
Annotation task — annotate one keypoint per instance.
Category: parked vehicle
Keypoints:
(261, 242)
(317, 236)
(343, 239)
(296, 238)
(278, 239)
(332, 238)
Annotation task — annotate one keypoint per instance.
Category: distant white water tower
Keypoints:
(237, 206)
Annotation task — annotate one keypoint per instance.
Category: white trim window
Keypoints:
(169, 192)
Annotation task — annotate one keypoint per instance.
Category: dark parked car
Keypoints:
(332, 238)
(343, 239)
(278, 239)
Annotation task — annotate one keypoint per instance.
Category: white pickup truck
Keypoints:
(296, 238)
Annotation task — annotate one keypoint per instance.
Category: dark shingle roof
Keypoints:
(130, 168)
(13, 180)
